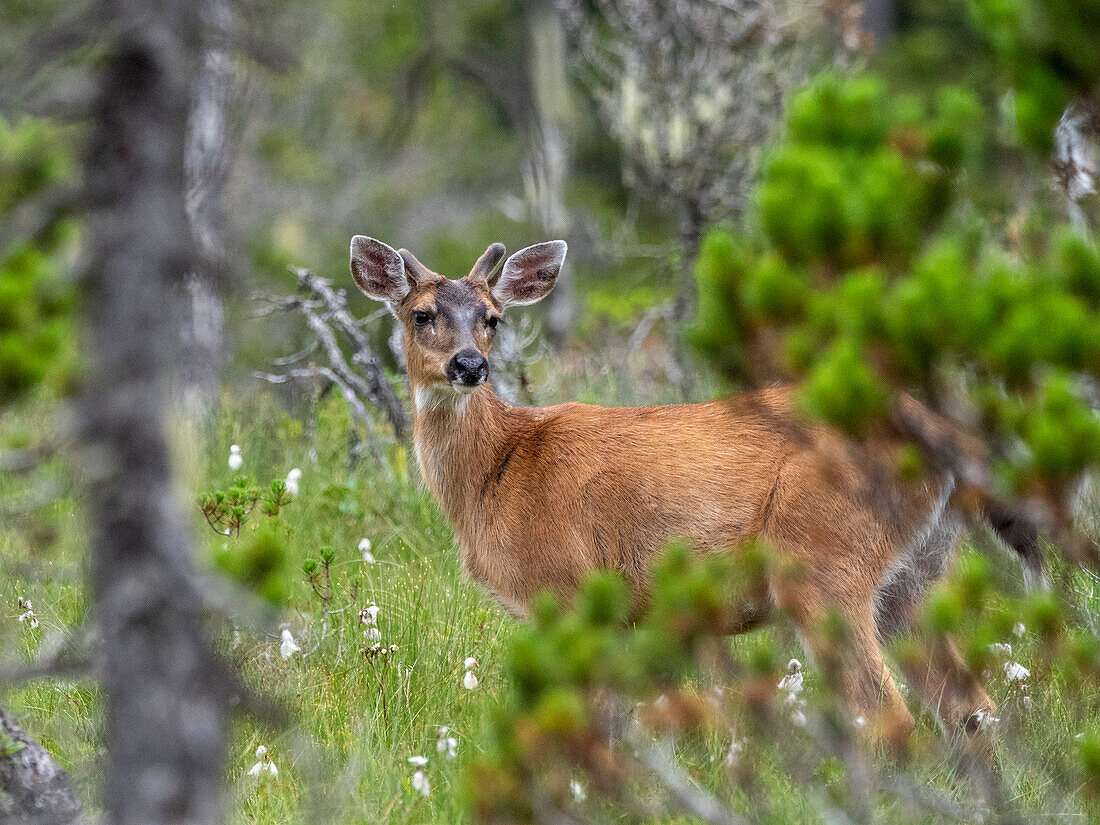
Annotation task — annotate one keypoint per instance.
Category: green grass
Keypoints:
(356, 718)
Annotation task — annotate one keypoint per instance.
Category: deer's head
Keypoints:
(450, 323)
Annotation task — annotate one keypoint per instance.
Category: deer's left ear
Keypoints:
(530, 274)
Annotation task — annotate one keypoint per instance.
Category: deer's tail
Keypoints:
(1019, 534)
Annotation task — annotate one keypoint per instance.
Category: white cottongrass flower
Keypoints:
(1015, 672)
(1018, 630)
(28, 616)
(292, 479)
(421, 783)
(364, 550)
(263, 764)
(860, 721)
(418, 761)
(791, 684)
(733, 756)
(1003, 649)
(469, 679)
(1027, 703)
(236, 460)
(577, 789)
(445, 744)
(374, 634)
(985, 719)
(369, 615)
(798, 717)
(288, 647)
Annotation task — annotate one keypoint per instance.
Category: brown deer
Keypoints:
(539, 497)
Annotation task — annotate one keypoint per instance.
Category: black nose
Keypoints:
(468, 367)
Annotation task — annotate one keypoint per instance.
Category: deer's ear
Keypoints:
(530, 274)
(378, 270)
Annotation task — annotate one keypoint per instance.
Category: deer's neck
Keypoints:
(457, 439)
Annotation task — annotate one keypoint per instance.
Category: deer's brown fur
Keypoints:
(539, 497)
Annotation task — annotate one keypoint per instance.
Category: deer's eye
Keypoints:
(491, 321)
(421, 318)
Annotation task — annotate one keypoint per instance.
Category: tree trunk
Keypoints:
(206, 162)
(547, 163)
(683, 309)
(165, 695)
(33, 789)
(880, 19)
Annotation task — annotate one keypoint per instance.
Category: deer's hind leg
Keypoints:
(933, 664)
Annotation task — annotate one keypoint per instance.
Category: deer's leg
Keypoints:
(937, 671)
(932, 663)
(840, 637)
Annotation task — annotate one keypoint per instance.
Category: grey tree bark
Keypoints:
(166, 697)
(33, 789)
(207, 166)
(548, 155)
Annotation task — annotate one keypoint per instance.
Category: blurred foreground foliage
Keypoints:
(883, 263)
(635, 714)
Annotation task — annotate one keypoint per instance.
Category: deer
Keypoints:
(539, 497)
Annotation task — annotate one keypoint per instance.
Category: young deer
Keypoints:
(539, 497)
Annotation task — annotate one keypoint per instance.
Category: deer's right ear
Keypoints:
(378, 270)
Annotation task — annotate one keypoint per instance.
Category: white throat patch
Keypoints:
(433, 397)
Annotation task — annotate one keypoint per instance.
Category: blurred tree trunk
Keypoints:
(207, 165)
(548, 157)
(165, 695)
(880, 19)
(33, 789)
(692, 221)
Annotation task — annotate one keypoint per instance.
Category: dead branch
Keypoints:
(329, 306)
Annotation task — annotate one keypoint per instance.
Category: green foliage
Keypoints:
(227, 510)
(1047, 48)
(35, 299)
(259, 563)
(858, 287)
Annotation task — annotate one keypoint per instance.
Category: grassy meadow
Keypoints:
(357, 717)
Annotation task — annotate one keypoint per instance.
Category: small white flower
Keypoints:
(469, 681)
(1018, 630)
(29, 618)
(364, 550)
(369, 615)
(985, 718)
(374, 634)
(470, 663)
(791, 684)
(420, 783)
(263, 764)
(289, 647)
(446, 745)
(1015, 672)
(860, 721)
(733, 756)
(798, 717)
(236, 461)
(292, 479)
(577, 790)
(1003, 649)
(419, 761)
(1027, 703)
